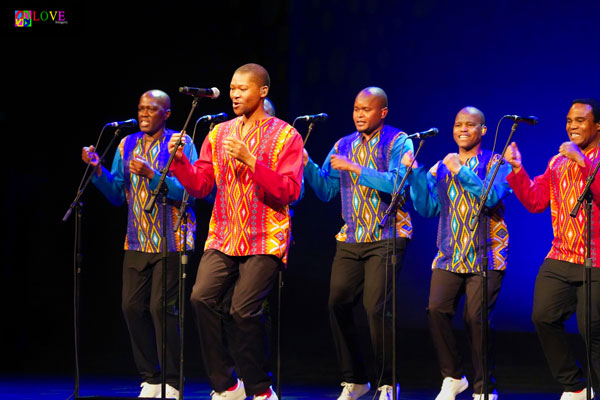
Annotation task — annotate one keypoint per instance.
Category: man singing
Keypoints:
(364, 167)
(559, 290)
(451, 189)
(133, 176)
(255, 161)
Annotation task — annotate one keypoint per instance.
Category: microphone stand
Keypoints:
(397, 197)
(163, 190)
(181, 222)
(484, 265)
(310, 128)
(77, 205)
(587, 196)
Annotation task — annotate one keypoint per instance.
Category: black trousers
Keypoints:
(560, 293)
(142, 309)
(446, 290)
(361, 269)
(227, 298)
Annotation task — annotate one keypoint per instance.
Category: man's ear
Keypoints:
(384, 112)
(264, 91)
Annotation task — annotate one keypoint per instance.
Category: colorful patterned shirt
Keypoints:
(559, 187)
(365, 197)
(251, 211)
(455, 199)
(144, 230)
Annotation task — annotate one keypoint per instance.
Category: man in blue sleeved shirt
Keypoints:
(134, 174)
(364, 167)
(451, 189)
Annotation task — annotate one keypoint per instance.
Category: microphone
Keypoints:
(425, 134)
(130, 123)
(212, 93)
(531, 120)
(314, 118)
(213, 117)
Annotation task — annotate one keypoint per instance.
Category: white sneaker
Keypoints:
(172, 393)
(353, 391)
(387, 392)
(272, 395)
(491, 396)
(576, 395)
(150, 390)
(451, 387)
(237, 394)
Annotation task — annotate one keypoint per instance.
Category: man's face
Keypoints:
(152, 114)
(581, 128)
(245, 93)
(468, 130)
(368, 113)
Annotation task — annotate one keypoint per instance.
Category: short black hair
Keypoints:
(259, 73)
(592, 103)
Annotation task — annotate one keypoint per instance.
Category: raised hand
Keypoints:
(452, 162)
(342, 163)
(572, 152)
(513, 157)
(140, 167)
(237, 149)
(89, 156)
(172, 143)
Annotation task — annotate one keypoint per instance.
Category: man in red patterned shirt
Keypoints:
(255, 161)
(559, 290)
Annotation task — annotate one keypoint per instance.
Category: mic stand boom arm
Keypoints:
(486, 192)
(89, 178)
(397, 195)
(165, 170)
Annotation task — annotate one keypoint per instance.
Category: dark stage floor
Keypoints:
(48, 387)
(308, 371)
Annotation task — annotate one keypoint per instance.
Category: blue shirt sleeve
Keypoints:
(111, 183)
(423, 192)
(324, 181)
(388, 181)
(297, 201)
(474, 185)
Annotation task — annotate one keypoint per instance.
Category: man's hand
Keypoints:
(140, 167)
(342, 163)
(513, 157)
(452, 162)
(408, 158)
(572, 152)
(172, 143)
(89, 156)
(237, 149)
(305, 157)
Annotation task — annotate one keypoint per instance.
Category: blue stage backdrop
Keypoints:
(433, 58)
